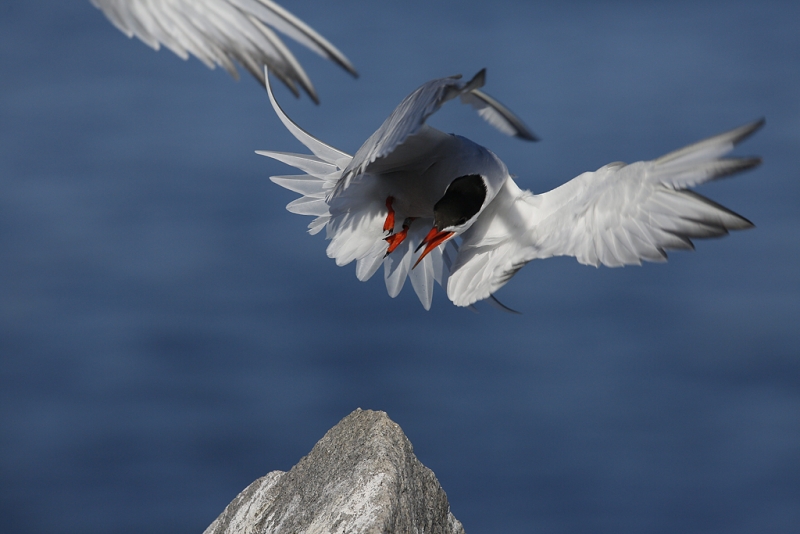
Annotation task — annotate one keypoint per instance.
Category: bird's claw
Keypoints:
(394, 240)
(388, 224)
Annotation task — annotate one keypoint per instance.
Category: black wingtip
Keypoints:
(477, 81)
(743, 132)
(502, 307)
(346, 65)
(313, 96)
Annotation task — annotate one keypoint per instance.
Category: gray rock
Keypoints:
(361, 477)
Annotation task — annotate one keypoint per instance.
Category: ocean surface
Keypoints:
(169, 332)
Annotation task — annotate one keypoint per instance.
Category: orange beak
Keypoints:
(431, 241)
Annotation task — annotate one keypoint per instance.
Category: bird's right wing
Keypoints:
(618, 215)
(219, 32)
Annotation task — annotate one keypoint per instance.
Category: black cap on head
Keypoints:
(461, 202)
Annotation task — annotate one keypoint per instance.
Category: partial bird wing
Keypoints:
(618, 215)
(409, 117)
(322, 169)
(219, 32)
(497, 115)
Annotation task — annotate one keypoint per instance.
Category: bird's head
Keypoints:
(456, 211)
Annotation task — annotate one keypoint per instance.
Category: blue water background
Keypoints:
(169, 333)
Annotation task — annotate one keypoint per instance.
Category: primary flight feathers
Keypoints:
(222, 32)
(411, 187)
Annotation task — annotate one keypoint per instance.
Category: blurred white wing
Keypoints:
(221, 32)
(618, 215)
(410, 115)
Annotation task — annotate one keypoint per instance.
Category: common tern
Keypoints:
(221, 32)
(411, 189)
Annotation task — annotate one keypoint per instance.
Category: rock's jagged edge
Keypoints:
(361, 477)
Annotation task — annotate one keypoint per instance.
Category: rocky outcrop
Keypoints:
(361, 477)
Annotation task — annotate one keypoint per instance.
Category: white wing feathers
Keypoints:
(409, 117)
(221, 32)
(323, 169)
(322, 150)
(618, 215)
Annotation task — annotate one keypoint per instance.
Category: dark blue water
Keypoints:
(169, 333)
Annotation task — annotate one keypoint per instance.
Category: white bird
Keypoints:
(221, 32)
(411, 186)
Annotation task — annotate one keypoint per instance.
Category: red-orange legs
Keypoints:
(431, 241)
(394, 240)
(388, 224)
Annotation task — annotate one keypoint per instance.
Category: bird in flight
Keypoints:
(411, 192)
(226, 32)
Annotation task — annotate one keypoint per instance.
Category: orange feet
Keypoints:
(388, 224)
(394, 240)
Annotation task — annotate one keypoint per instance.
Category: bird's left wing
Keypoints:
(410, 115)
(618, 215)
(219, 32)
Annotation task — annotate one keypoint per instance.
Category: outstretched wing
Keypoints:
(409, 117)
(219, 32)
(618, 215)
